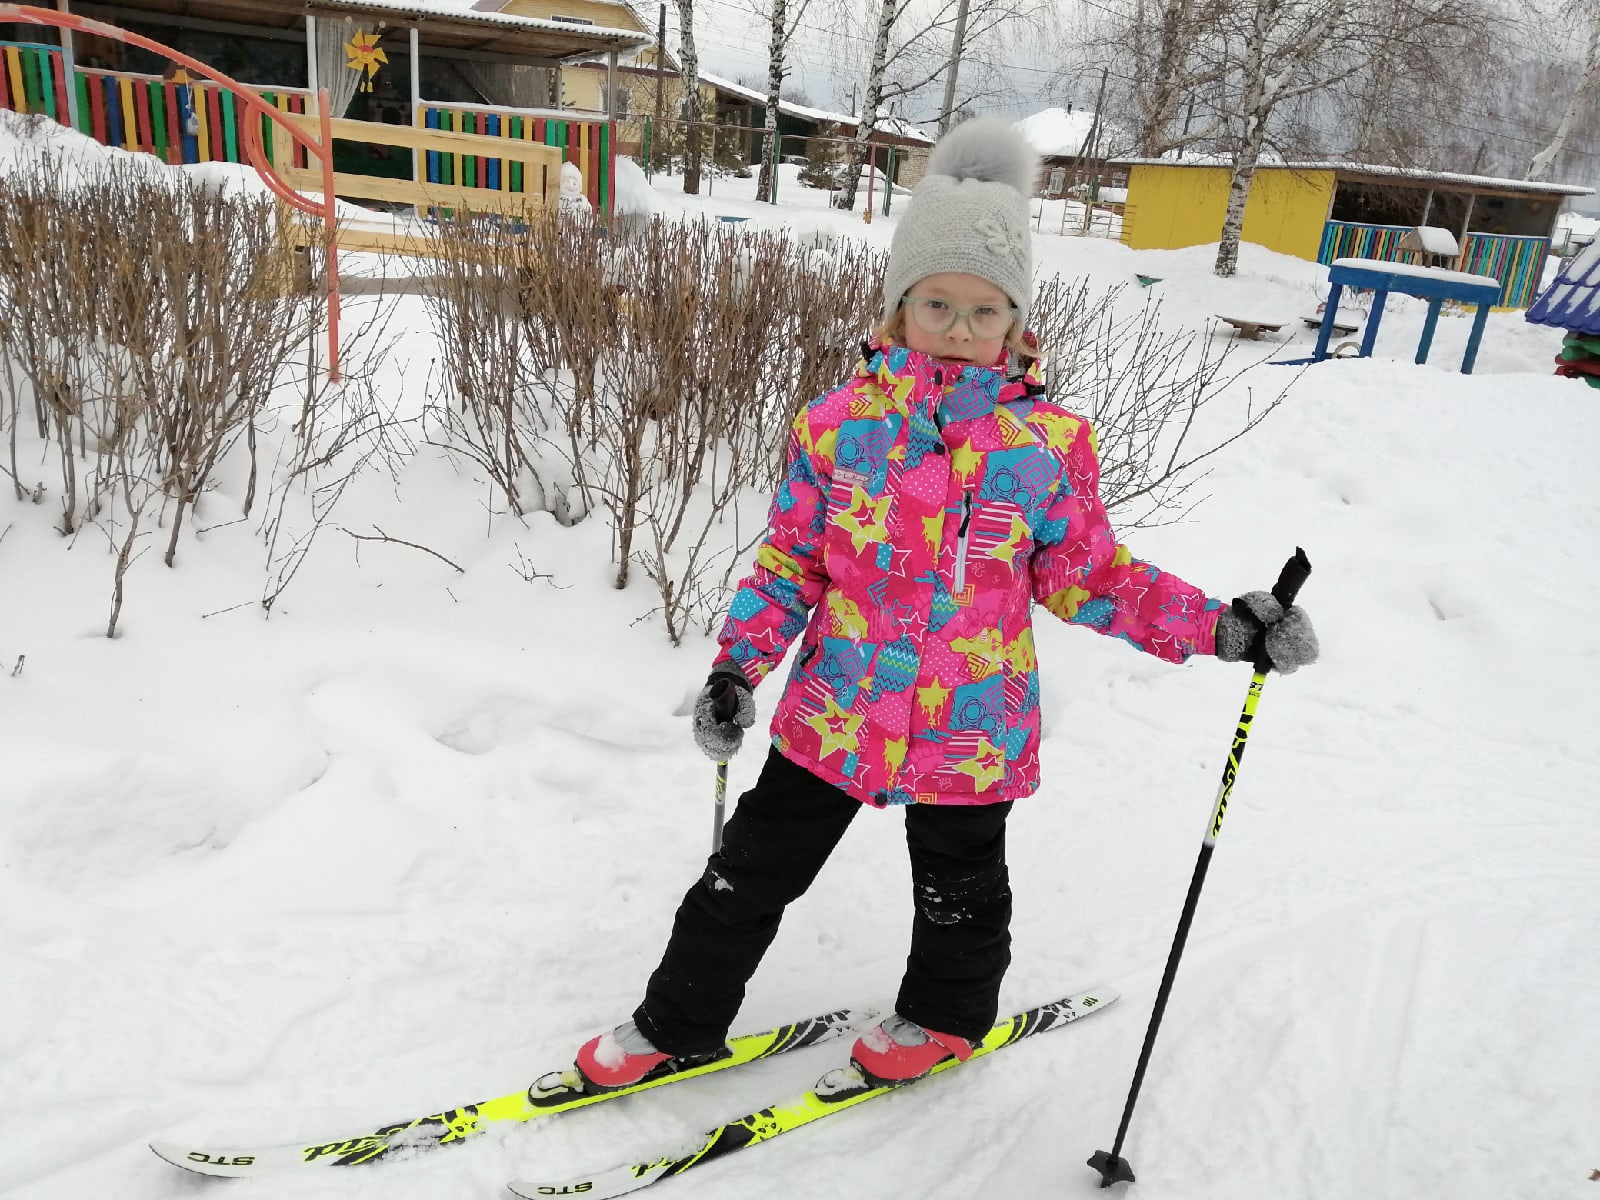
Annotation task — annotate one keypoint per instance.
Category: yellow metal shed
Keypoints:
(1170, 207)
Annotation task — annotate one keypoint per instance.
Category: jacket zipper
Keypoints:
(961, 541)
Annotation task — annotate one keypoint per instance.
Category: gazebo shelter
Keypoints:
(427, 63)
(1323, 211)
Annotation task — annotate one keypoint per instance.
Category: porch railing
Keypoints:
(585, 140)
(198, 122)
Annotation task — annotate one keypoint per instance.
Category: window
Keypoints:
(619, 104)
(572, 20)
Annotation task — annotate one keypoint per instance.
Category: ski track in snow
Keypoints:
(410, 841)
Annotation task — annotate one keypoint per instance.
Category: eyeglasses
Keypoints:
(933, 315)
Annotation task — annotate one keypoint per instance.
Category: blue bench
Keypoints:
(1425, 283)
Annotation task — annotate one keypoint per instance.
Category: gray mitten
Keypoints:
(1257, 626)
(729, 691)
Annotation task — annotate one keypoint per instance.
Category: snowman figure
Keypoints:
(574, 206)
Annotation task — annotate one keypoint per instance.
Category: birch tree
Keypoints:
(693, 114)
(910, 44)
(1164, 42)
(783, 21)
(1581, 13)
(1276, 51)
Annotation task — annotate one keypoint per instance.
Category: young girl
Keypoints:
(929, 503)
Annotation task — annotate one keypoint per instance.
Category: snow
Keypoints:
(1415, 271)
(415, 838)
(1435, 240)
(886, 123)
(1058, 133)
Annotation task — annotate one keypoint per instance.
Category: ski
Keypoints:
(839, 1089)
(554, 1092)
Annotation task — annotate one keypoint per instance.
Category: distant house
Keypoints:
(798, 122)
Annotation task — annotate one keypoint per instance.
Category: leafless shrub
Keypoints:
(141, 313)
(1144, 389)
(473, 298)
(665, 374)
(341, 433)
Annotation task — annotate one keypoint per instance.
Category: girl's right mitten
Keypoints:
(720, 740)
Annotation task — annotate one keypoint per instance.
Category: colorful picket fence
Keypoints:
(32, 79)
(586, 144)
(180, 122)
(198, 122)
(1517, 262)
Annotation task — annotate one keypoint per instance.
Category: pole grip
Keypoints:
(724, 700)
(1293, 576)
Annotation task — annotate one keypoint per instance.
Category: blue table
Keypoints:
(1424, 282)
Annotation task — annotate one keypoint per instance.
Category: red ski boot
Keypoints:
(618, 1059)
(898, 1050)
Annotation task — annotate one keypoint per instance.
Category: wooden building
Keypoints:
(489, 70)
(1321, 211)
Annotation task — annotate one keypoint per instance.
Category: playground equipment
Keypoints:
(318, 148)
(1432, 285)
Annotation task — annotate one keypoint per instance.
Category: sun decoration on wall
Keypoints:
(365, 57)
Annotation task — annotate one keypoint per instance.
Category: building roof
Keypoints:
(891, 126)
(1572, 302)
(1061, 132)
(1371, 170)
(494, 32)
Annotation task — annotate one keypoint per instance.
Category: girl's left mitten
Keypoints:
(723, 710)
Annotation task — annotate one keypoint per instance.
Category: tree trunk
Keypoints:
(692, 112)
(1244, 173)
(1160, 99)
(1256, 108)
(867, 118)
(1542, 162)
(764, 184)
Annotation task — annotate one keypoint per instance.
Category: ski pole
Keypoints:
(724, 704)
(1112, 1166)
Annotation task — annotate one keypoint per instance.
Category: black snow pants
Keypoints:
(773, 846)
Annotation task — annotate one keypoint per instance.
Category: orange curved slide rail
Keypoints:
(320, 149)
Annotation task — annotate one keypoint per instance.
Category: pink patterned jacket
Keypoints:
(925, 509)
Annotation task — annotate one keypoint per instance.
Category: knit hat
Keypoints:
(969, 214)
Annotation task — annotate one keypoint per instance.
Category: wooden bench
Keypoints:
(1340, 325)
(1248, 329)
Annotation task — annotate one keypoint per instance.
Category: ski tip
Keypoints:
(224, 1165)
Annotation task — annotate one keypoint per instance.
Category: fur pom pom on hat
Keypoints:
(969, 214)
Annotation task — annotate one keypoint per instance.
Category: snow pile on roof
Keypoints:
(1437, 241)
(1357, 168)
(891, 125)
(1059, 132)
(1573, 301)
(490, 14)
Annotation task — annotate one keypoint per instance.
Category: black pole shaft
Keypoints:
(1112, 1166)
(1190, 902)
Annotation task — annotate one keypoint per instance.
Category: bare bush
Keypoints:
(473, 298)
(1143, 388)
(140, 313)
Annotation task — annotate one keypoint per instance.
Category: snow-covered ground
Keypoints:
(409, 841)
